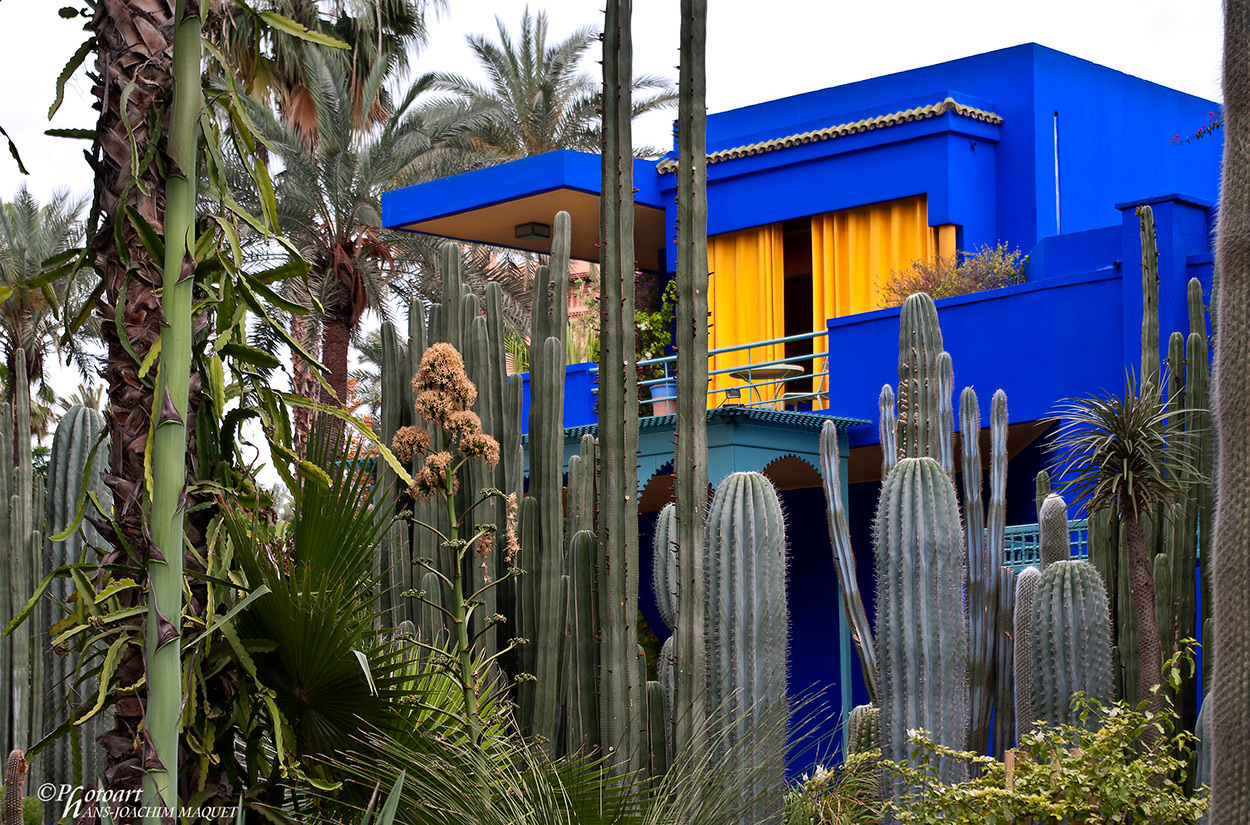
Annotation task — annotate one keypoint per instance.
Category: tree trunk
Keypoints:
(337, 335)
(303, 383)
(134, 55)
(1142, 587)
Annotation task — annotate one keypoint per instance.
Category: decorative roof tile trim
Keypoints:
(845, 129)
(792, 420)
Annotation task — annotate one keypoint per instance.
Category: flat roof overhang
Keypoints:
(486, 205)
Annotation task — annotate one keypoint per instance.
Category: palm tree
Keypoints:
(29, 235)
(329, 203)
(274, 68)
(536, 98)
(1112, 452)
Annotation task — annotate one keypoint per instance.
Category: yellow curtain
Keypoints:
(745, 298)
(853, 249)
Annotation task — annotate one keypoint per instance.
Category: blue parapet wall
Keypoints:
(580, 383)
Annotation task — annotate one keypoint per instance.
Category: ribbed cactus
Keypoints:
(622, 687)
(79, 433)
(657, 730)
(844, 558)
(747, 624)
(1055, 541)
(1041, 489)
(1073, 641)
(1025, 642)
(921, 380)
(664, 564)
(922, 637)
(863, 729)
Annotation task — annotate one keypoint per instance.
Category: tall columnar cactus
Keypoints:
(690, 455)
(747, 623)
(844, 558)
(1041, 490)
(921, 414)
(985, 538)
(1025, 641)
(922, 637)
(21, 543)
(1230, 393)
(622, 688)
(1055, 540)
(1073, 641)
(1004, 654)
(79, 437)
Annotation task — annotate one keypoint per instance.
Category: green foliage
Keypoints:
(849, 794)
(1067, 773)
(653, 331)
(1127, 452)
(32, 811)
(950, 275)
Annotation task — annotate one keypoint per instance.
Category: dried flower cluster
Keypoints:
(410, 442)
(432, 478)
(511, 547)
(442, 374)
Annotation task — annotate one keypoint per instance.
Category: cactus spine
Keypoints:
(1004, 654)
(622, 689)
(747, 623)
(922, 639)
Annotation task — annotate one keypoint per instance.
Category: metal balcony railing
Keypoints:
(791, 382)
(1020, 548)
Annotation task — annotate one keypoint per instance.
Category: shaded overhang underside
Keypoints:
(865, 462)
(487, 205)
(496, 223)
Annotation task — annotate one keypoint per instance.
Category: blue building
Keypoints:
(814, 199)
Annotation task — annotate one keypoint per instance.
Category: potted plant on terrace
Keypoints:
(653, 336)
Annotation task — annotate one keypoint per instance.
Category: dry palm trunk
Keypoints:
(304, 329)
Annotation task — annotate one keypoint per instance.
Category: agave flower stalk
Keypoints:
(162, 648)
(444, 395)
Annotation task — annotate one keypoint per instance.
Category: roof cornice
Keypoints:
(845, 129)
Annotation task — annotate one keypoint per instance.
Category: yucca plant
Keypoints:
(1130, 454)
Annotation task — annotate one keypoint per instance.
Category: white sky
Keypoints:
(757, 50)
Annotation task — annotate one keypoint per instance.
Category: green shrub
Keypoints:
(1062, 774)
(949, 275)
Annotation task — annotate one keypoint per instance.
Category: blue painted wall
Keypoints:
(580, 382)
(1071, 330)
(1114, 138)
